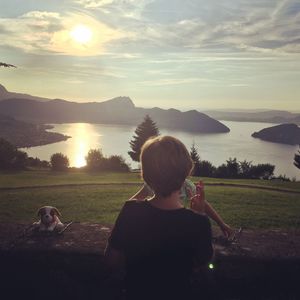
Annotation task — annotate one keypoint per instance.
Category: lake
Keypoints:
(216, 148)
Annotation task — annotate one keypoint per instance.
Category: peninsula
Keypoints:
(22, 134)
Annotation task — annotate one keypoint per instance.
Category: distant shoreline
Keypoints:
(50, 139)
(25, 135)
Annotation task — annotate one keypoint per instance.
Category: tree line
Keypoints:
(231, 168)
(13, 159)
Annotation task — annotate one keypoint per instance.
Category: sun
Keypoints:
(81, 34)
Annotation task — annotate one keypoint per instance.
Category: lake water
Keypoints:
(216, 148)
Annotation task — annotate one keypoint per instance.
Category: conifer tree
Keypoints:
(196, 160)
(194, 154)
(143, 132)
(297, 160)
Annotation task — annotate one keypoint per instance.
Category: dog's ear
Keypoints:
(57, 212)
(39, 212)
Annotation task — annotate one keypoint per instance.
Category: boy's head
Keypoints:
(165, 164)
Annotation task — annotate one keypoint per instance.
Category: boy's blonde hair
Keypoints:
(165, 164)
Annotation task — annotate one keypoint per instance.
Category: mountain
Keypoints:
(120, 110)
(23, 134)
(5, 94)
(284, 134)
(191, 121)
(266, 116)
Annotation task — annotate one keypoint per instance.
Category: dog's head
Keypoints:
(48, 214)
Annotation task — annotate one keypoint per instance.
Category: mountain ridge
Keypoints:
(118, 110)
(5, 94)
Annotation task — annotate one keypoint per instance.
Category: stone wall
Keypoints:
(259, 265)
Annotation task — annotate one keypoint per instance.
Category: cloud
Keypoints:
(94, 3)
(48, 32)
(143, 26)
(175, 81)
(131, 9)
(256, 29)
(169, 26)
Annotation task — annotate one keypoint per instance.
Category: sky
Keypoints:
(192, 54)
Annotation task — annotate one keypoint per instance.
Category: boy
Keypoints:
(158, 240)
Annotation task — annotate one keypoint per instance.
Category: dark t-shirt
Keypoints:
(160, 247)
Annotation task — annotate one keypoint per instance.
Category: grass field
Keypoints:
(98, 198)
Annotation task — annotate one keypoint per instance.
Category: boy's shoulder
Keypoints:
(134, 203)
(201, 219)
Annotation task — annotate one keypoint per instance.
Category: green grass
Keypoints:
(246, 207)
(277, 184)
(252, 208)
(40, 178)
(84, 204)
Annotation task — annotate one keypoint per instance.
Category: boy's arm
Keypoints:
(142, 194)
(114, 259)
(210, 212)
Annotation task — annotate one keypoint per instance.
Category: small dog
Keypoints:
(49, 220)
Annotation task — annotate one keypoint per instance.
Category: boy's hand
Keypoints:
(198, 201)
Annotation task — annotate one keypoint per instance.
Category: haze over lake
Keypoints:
(216, 148)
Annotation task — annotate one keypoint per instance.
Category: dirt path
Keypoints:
(274, 189)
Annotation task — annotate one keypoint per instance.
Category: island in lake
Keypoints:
(283, 134)
(22, 134)
(120, 110)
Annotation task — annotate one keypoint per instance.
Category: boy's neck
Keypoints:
(169, 202)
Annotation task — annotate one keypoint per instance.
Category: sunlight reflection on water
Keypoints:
(82, 142)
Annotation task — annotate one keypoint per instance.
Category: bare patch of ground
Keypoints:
(91, 238)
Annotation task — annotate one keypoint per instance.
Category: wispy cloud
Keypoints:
(131, 9)
(254, 26)
(174, 81)
(271, 27)
(48, 32)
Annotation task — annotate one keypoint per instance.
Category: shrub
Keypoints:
(222, 172)
(297, 159)
(59, 162)
(232, 168)
(245, 168)
(37, 163)
(94, 159)
(11, 157)
(205, 168)
(262, 171)
(117, 163)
